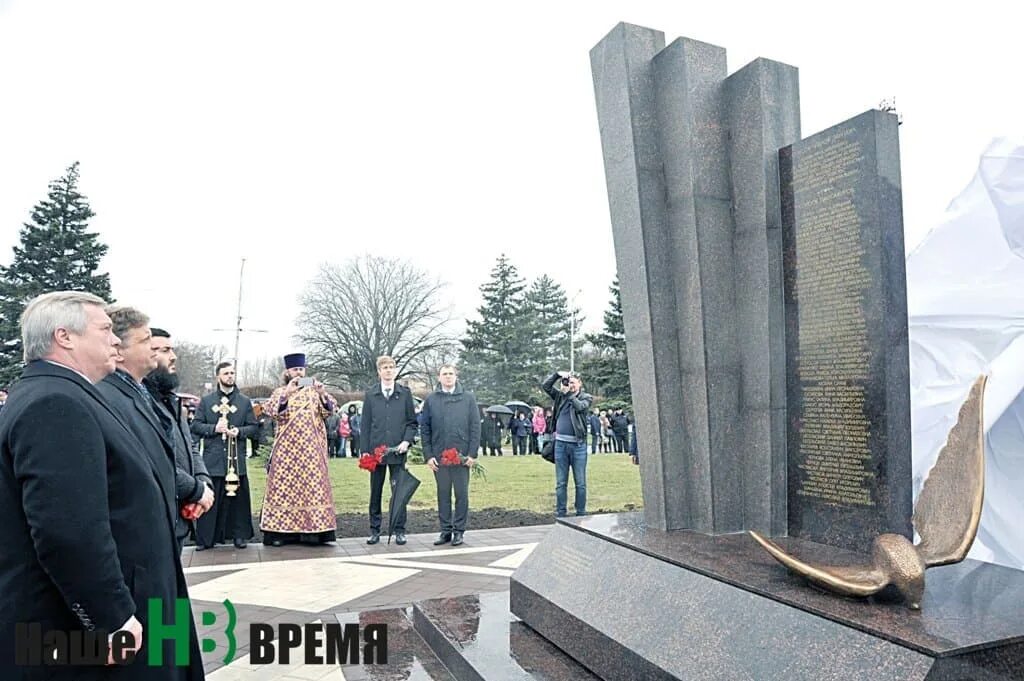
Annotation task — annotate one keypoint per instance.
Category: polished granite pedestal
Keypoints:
(478, 639)
(630, 602)
(462, 638)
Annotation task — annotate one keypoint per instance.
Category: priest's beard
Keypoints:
(163, 380)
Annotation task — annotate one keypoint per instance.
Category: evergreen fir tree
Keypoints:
(495, 347)
(56, 253)
(551, 324)
(608, 367)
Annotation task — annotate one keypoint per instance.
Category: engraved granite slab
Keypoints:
(848, 376)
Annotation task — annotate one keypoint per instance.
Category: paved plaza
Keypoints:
(304, 584)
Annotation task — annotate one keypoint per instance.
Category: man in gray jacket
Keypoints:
(193, 486)
(451, 420)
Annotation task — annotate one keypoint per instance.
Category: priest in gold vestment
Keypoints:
(298, 505)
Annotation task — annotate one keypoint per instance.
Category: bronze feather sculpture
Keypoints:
(946, 517)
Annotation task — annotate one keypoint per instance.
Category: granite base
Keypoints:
(478, 639)
(631, 602)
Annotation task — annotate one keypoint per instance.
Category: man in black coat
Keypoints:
(491, 429)
(88, 531)
(389, 419)
(191, 481)
(450, 420)
(231, 517)
(620, 427)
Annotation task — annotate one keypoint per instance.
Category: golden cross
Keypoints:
(224, 408)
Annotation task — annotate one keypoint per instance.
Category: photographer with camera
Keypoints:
(298, 505)
(570, 409)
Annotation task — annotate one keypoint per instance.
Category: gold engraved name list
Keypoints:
(831, 285)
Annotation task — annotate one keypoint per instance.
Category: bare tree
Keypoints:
(261, 371)
(425, 367)
(371, 306)
(196, 364)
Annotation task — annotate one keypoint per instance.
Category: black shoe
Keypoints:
(400, 538)
(374, 538)
(202, 547)
(277, 542)
(240, 544)
(456, 538)
(444, 538)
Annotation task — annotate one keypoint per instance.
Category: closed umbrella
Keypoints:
(401, 492)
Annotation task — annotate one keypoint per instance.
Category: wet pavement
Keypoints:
(347, 582)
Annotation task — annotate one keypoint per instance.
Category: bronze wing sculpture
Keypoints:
(946, 517)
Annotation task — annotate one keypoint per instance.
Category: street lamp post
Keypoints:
(572, 332)
(238, 319)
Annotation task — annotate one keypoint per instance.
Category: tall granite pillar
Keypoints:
(624, 90)
(700, 357)
(688, 77)
(762, 105)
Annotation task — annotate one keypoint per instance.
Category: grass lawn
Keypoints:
(513, 482)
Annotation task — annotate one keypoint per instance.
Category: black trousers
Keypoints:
(519, 445)
(230, 518)
(534, 445)
(620, 442)
(377, 490)
(452, 479)
(353, 445)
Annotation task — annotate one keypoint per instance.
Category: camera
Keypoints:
(565, 380)
(306, 382)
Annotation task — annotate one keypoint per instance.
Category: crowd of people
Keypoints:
(91, 538)
(525, 432)
(608, 429)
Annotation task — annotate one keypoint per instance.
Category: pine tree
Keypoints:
(56, 253)
(609, 368)
(495, 348)
(551, 324)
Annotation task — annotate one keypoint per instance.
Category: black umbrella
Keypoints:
(517, 405)
(498, 409)
(402, 490)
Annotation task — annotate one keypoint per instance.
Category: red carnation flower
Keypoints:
(450, 457)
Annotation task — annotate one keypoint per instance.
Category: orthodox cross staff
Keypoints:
(231, 480)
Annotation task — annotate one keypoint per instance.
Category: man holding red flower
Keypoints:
(451, 435)
(388, 430)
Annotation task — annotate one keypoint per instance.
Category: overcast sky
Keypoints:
(291, 133)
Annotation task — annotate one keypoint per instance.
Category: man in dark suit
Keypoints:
(88, 531)
(192, 483)
(451, 420)
(389, 419)
(152, 424)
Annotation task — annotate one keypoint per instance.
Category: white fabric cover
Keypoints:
(965, 295)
